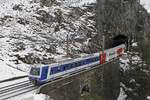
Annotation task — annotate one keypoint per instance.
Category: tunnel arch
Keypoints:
(120, 39)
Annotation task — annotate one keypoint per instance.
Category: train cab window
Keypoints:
(35, 71)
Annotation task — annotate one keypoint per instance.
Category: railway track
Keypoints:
(16, 89)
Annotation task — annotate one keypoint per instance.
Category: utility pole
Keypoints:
(100, 28)
(103, 44)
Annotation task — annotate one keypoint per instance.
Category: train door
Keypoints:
(44, 73)
(102, 58)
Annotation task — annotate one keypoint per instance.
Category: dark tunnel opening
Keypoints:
(120, 39)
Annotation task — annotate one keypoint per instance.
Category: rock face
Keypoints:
(117, 17)
(130, 19)
(47, 2)
(111, 81)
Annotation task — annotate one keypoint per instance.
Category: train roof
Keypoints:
(37, 65)
(66, 60)
(73, 60)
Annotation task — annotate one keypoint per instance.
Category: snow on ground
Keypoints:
(124, 62)
(6, 7)
(135, 44)
(34, 97)
(31, 96)
(40, 97)
(7, 72)
(122, 95)
(148, 97)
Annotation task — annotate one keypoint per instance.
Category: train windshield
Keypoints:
(35, 71)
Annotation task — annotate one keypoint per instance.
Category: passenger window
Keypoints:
(62, 68)
(67, 67)
(71, 65)
(79, 63)
(76, 64)
(95, 59)
(55, 70)
(51, 72)
(59, 68)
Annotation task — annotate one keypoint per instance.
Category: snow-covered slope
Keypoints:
(6, 72)
(31, 33)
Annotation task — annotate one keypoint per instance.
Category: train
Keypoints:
(42, 74)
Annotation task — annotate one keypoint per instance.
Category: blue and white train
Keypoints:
(42, 74)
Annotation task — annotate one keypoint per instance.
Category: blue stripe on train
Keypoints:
(65, 67)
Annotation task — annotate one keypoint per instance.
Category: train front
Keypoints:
(34, 75)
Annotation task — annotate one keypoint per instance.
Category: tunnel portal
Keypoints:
(120, 39)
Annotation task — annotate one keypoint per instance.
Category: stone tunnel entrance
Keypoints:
(120, 39)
